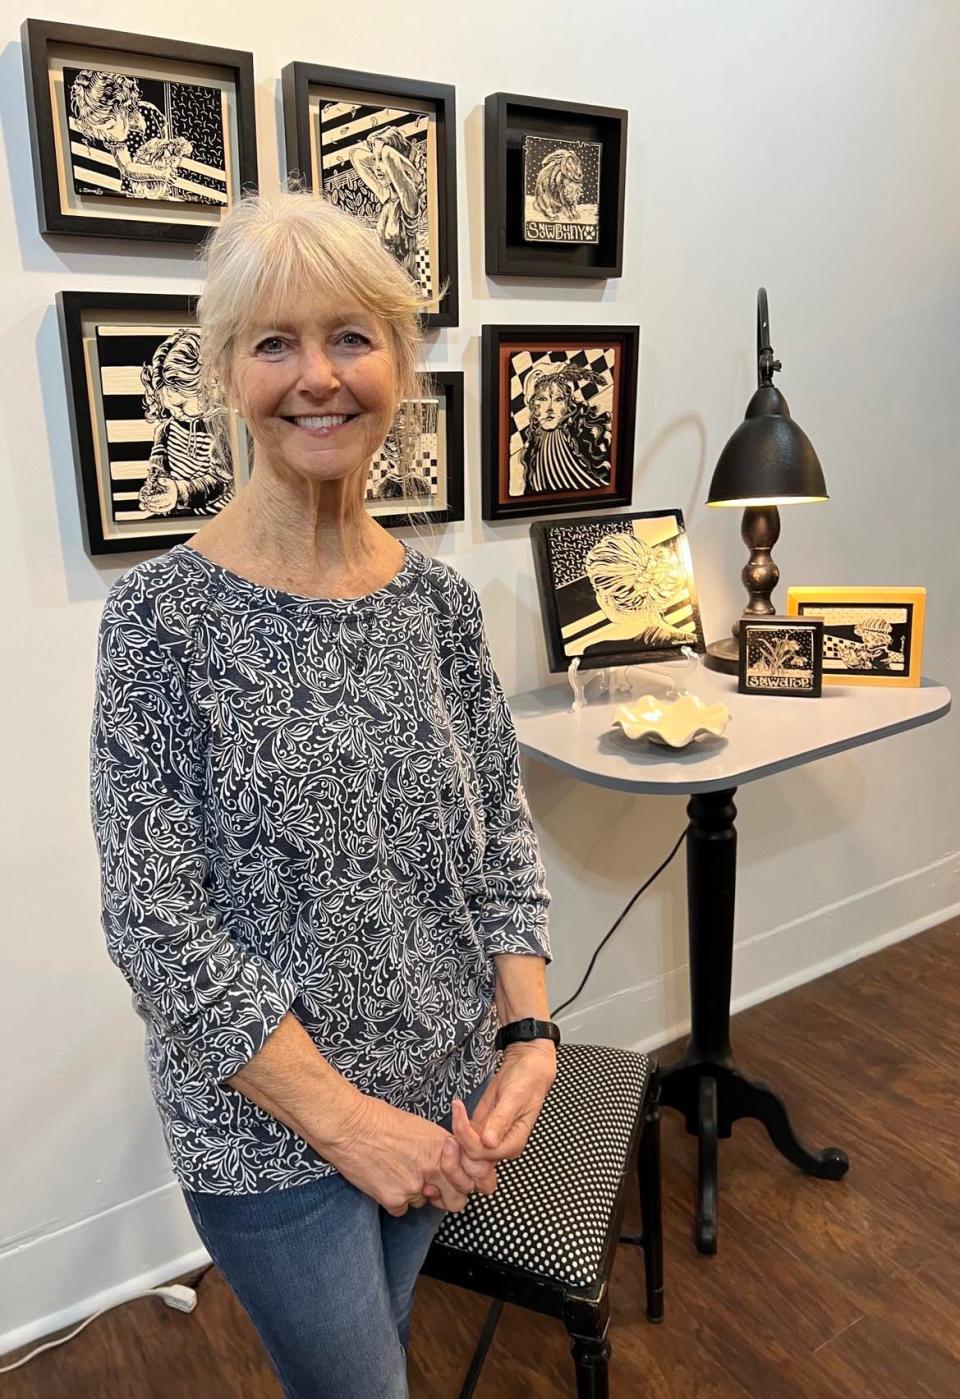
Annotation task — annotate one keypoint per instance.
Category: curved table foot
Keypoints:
(712, 1096)
(746, 1098)
(705, 1233)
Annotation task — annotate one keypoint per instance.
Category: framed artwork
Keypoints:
(561, 190)
(555, 180)
(149, 467)
(134, 136)
(871, 636)
(433, 491)
(617, 591)
(558, 410)
(384, 149)
(781, 656)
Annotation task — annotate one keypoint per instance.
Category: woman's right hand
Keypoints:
(391, 1155)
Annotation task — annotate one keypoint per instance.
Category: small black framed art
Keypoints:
(555, 182)
(781, 656)
(384, 149)
(134, 136)
(431, 490)
(616, 591)
(151, 466)
(558, 410)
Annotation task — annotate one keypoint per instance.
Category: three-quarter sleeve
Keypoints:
(190, 981)
(513, 913)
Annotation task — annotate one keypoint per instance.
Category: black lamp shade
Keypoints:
(768, 460)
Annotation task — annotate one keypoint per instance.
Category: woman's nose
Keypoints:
(318, 373)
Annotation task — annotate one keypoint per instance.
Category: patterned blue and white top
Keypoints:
(314, 805)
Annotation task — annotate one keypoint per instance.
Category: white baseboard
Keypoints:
(64, 1277)
(47, 1284)
(778, 960)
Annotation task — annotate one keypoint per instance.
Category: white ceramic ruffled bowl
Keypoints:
(674, 723)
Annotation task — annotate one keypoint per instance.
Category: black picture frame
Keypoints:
(790, 681)
(43, 39)
(497, 343)
(507, 116)
(685, 607)
(449, 382)
(297, 81)
(73, 309)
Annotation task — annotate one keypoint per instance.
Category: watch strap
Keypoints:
(523, 1031)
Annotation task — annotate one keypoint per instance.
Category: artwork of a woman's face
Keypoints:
(549, 406)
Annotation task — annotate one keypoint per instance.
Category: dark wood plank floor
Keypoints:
(820, 1290)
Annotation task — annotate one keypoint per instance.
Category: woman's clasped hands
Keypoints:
(403, 1161)
(502, 1120)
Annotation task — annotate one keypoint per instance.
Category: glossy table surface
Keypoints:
(766, 734)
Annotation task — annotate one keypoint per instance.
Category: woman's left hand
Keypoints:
(504, 1117)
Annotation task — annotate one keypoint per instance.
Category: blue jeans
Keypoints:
(327, 1278)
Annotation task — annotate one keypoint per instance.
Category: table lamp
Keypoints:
(768, 462)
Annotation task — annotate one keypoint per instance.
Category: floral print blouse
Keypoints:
(310, 805)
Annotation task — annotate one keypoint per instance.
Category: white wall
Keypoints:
(808, 146)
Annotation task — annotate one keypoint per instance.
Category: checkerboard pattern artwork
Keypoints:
(602, 361)
(383, 481)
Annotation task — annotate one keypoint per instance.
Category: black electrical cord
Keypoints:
(643, 888)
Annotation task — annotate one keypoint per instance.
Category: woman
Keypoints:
(566, 446)
(320, 876)
(188, 474)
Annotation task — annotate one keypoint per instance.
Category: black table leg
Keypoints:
(704, 1085)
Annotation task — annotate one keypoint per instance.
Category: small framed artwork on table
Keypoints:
(617, 591)
(155, 450)
(558, 408)
(555, 182)
(781, 656)
(135, 136)
(384, 149)
(417, 475)
(871, 636)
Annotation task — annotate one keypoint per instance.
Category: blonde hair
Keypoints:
(269, 249)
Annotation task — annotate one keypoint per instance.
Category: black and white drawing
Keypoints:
(781, 656)
(421, 482)
(561, 419)
(561, 190)
(374, 162)
(144, 138)
(164, 461)
(864, 638)
(617, 591)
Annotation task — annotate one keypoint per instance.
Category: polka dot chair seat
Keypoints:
(547, 1236)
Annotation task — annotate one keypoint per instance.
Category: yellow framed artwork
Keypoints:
(871, 636)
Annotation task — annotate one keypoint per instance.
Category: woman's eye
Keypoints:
(353, 338)
(271, 345)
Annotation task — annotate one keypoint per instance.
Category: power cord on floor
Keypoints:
(184, 1298)
(175, 1294)
(642, 890)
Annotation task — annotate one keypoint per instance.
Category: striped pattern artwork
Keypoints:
(142, 138)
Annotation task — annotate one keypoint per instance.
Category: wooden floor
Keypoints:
(820, 1290)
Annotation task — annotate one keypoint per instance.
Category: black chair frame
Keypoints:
(585, 1312)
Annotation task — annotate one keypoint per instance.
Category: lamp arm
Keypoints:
(767, 366)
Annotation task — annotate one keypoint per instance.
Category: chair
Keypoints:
(547, 1237)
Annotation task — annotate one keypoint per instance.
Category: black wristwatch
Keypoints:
(522, 1031)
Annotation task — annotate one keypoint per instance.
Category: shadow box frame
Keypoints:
(856, 596)
(494, 338)
(298, 78)
(72, 307)
(38, 37)
(506, 117)
(450, 381)
(559, 662)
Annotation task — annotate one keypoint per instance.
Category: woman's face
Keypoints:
(549, 406)
(317, 389)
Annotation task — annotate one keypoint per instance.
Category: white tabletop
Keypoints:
(766, 734)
